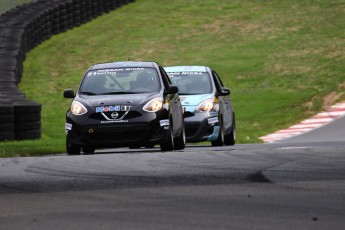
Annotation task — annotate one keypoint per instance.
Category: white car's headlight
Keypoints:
(78, 108)
(154, 105)
(206, 105)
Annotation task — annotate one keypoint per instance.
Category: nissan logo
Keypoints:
(114, 115)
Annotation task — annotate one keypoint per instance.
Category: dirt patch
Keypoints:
(330, 100)
(333, 97)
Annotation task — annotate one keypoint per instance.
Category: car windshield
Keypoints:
(190, 83)
(120, 81)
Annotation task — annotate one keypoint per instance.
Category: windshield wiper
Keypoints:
(120, 92)
(87, 93)
(192, 93)
(188, 93)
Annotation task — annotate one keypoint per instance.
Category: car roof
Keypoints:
(185, 68)
(123, 64)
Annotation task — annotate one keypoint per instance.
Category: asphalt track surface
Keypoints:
(298, 183)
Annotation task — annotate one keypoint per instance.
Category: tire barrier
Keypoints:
(22, 29)
(27, 115)
(6, 120)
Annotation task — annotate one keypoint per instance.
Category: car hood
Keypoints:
(194, 100)
(120, 99)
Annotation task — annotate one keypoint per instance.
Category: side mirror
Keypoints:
(68, 93)
(172, 89)
(224, 92)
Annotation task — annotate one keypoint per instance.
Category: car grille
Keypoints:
(130, 115)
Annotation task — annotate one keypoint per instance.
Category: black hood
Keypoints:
(120, 99)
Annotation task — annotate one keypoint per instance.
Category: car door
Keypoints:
(225, 103)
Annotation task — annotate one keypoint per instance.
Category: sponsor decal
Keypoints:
(164, 122)
(114, 121)
(180, 74)
(112, 108)
(68, 126)
(102, 72)
(191, 73)
(212, 120)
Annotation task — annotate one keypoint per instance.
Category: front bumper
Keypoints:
(201, 127)
(149, 128)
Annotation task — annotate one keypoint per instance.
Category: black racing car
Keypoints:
(124, 104)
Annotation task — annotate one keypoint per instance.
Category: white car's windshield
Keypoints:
(120, 81)
(190, 83)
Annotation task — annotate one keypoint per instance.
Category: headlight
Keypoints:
(206, 105)
(77, 108)
(154, 105)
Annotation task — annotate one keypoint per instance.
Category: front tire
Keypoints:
(230, 139)
(72, 149)
(180, 141)
(168, 144)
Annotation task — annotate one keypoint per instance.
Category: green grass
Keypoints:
(6, 5)
(283, 60)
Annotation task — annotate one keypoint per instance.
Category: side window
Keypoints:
(217, 80)
(165, 78)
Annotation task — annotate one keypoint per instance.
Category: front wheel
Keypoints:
(72, 149)
(230, 138)
(168, 144)
(180, 141)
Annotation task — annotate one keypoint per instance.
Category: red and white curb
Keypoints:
(320, 119)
